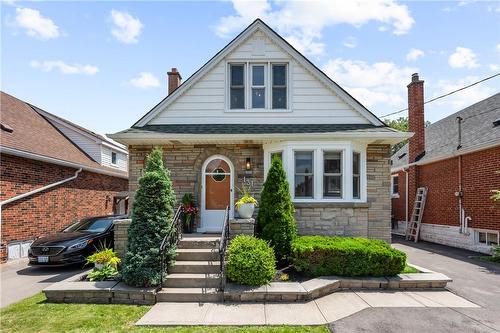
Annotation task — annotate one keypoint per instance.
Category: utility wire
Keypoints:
(452, 92)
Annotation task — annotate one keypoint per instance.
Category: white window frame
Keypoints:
(271, 85)
(394, 195)
(229, 85)
(312, 173)
(342, 173)
(487, 231)
(289, 147)
(248, 63)
(252, 86)
(116, 158)
(359, 175)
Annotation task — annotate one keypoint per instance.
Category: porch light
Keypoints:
(248, 164)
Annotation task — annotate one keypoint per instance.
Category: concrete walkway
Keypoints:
(320, 311)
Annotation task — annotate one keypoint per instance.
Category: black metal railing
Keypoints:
(224, 239)
(173, 236)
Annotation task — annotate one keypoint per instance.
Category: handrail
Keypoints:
(172, 236)
(222, 249)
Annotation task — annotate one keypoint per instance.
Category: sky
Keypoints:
(103, 64)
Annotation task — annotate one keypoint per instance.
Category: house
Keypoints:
(458, 160)
(257, 98)
(53, 172)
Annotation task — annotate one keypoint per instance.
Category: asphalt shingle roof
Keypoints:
(441, 138)
(256, 128)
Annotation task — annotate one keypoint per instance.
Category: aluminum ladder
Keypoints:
(413, 227)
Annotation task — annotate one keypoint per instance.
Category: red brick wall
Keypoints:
(399, 204)
(90, 194)
(479, 177)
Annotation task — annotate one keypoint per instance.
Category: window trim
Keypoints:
(288, 148)
(313, 173)
(486, 231)
(230, 86)
(358, 175)
(247, 63)
(341, 174)
(394, 195)
(272, 86)
(116, 158)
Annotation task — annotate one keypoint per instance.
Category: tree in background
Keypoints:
(152, 216)
(400, 124)
(275, 217)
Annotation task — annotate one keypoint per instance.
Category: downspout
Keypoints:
(406, 197)
(46, 187)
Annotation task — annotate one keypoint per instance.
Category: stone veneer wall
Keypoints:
(372, 219)
(185, 162)
(121, 236)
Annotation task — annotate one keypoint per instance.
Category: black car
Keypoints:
(75, 243)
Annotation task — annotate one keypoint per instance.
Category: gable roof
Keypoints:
(31, 133)
(441, 138)
(273, 35)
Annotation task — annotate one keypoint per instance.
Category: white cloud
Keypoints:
(35, 24)
(48, 66)
(462, 98)
(497, 48)
(302, 22)
(494, 67)
(145, 80)
(463, 58)
(371, 84)
(414, 54)
(126, 28)
(350, 42)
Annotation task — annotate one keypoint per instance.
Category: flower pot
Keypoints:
(246, 210)
(187, 225)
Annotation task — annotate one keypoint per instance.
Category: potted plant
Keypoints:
(190, 210)
(105, 265)
(246, 204)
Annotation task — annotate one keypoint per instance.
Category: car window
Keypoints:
(90, 225)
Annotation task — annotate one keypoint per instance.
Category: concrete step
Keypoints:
(195, 267)
(197, 254)
(189, 295)
(178, 280)
(206, 242)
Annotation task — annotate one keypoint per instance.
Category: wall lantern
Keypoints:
(248, 164)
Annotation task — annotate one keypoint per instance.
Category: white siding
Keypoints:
(310, 100)
(121, 159)
(89, 146)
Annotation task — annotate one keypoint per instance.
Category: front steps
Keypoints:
(194, 277)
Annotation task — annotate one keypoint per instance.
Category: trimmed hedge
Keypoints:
(250, 261)
(346, 256)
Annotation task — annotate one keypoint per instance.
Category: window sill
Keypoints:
(330, 204)
(257, 110)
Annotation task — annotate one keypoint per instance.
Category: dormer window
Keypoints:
(237, 91)
(258, 86)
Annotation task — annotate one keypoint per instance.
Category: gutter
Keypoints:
(46, 187)
(447, 156)
(37, 157)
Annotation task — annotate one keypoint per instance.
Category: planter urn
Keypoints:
(246, 210)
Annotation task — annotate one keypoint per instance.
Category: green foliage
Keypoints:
(346, 256)
(104, 257)
(400, 124)
(106, 272)
(275, 218)
(245, 200)
(496, 195)
(250, 261)
(152, 216)
(495, 254)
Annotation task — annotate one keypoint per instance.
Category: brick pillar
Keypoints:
(121, 236)
(416, 144)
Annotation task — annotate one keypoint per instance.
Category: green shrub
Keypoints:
(104, 273)
(346, 256)
(275, 217)
(152, 216)
(250, 261)
(495, 254)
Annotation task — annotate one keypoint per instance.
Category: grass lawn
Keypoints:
(35, 315)
(410, 269)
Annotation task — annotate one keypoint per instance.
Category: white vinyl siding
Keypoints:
(309, 100)
(121, 159)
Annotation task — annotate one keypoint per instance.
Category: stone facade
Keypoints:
(121, 236)
(371, 219)
(241, 227)
(185, 163)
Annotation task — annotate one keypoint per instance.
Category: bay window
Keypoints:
(332, 174)
(321, 171)
(304, 174)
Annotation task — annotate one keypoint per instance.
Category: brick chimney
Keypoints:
(174, 80)
(416, 121)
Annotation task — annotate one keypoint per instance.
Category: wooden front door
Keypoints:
(216, 193)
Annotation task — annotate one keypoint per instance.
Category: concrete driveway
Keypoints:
(473, 279)
(18, 280)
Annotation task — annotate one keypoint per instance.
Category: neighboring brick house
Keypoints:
(36, 153)
(458, 160)
(256, 98)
